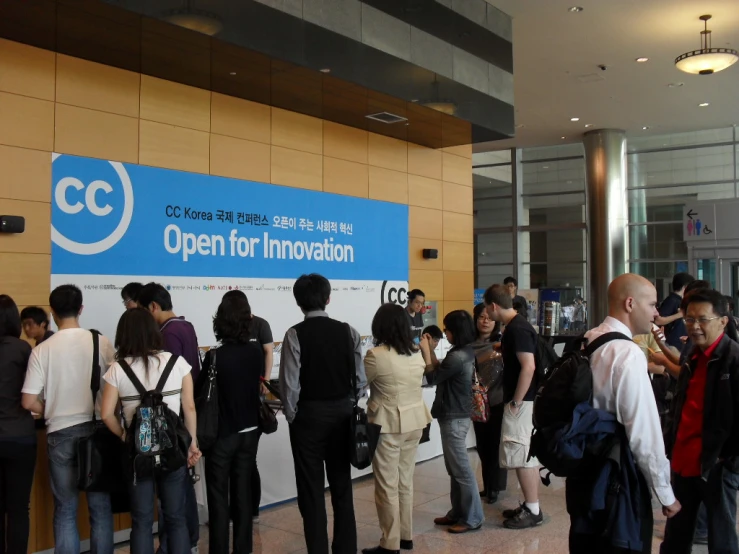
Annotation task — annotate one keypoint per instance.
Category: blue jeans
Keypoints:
(192, 518)
(171, 492)
(62, 449)
(466, 504)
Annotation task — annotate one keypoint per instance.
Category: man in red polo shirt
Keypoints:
(705, 432)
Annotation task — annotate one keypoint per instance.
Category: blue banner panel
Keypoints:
(112, 218)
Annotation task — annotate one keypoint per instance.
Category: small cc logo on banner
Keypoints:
(394, 292)
(82, 197)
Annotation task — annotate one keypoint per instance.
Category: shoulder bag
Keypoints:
(267, 421)
(364, 435)
(206, 406)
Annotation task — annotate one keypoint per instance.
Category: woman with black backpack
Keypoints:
(139, 355)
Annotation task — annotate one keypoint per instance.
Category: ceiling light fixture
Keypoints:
(564, 138)
(645, 128)
(232, 73)
(575, 9)
(704, 104)
(325, 70)
(438, 102)
(707, 60)
(574, 119)
(642, 60)
(200, 21)
(675, 85)
(588, 125)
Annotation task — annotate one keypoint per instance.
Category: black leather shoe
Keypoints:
(492, 497)
(406, 545)
(379, 550)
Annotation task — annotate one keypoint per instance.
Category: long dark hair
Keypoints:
(476, 314)
(10, 319)
(138, 336)
(390, 328)
(460, 324)
(232, 322)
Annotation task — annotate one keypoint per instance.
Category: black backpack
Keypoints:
(568, 383)
(157, 440)
(546, 358)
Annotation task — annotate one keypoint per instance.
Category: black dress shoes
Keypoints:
(379, 550)
(406, 545)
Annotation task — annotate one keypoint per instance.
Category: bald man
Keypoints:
(621, 386)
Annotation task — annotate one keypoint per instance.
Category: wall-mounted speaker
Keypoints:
(12, 224)
(430, 253)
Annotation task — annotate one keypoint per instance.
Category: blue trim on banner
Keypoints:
(111, 218)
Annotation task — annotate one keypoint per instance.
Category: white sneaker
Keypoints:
(194, 550)
(255, 519)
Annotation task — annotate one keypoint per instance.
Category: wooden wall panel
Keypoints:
(173, 147)
(297, 131)
(424, 161)
(459, 256)
(466, 305)
(26, 70)
(458, 227)
(424, 223)
(388, 185)
(459, 285)
(388, 152)
(457, 198)
(345, 143)
(343, 177)
(297, 169)
(424, 192)
(26, 174)
(96, 134)
(456, 169)
(463, 150)
(240, 159)
(26, 122)
(97, 86)
(240, 118)
(36, 238)
(430, 282)
(174, 103)
(415, 254)
(25, 276)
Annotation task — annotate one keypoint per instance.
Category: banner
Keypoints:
(200, 236)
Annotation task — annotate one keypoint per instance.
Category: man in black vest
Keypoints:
(316, 386)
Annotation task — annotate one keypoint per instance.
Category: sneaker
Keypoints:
(255, 519)
(508, 514)
(194, 550)
(524, 520)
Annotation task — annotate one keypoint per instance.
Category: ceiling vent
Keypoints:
(386, 117)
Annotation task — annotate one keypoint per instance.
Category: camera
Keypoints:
(602, 67)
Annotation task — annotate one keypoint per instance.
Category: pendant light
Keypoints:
(707, 60)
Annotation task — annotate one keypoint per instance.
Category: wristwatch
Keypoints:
(515, 404)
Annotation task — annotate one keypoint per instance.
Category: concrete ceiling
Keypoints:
(557, 53)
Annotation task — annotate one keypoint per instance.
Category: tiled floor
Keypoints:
(280, 530)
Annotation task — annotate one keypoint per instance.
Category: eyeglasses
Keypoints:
(701, 320)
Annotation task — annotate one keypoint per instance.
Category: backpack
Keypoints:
(568, 383)
(546, 357)
(157, 441)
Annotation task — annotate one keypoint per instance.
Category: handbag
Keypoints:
(364, 435)
(100, 455)
(206, 407)
(267, 418)
(480, 407)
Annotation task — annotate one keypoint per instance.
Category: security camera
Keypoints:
(602, 67)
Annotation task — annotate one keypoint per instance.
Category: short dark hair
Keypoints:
(681, 280)
(10, 319)
(66, 301)
(730, 301)
(498, 294)
(390, 328)
(232, 322)
(233, 294)
(508, 280)
(131, 291)
(434, 331)
(138, 336)
(38, 315)
(477, 313)
(461, 326)
(154, 292)
(712, 297)
(692, 288)
(415, 292)
(312, 292)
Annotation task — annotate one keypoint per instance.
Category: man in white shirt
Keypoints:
(621, 386)
(58, 386)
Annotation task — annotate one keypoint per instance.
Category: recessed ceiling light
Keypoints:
(232, 73)
(564, 138)
(325, 70)
(588, 125)
(704, 104)
(675, 85)
(574, 119)
(642, 60)
(545, 167)
(575, 9)
(645, 128)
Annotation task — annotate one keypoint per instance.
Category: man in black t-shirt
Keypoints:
(414, 311)
(519, 302)
(519, 389)
(670, 315)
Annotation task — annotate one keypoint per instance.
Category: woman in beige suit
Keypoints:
(395, 374)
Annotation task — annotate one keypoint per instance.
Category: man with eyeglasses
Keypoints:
(129, 294)
(705, 430)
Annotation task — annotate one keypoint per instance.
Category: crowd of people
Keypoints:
(673, 391)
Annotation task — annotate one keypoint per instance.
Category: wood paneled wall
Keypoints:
(53, 102)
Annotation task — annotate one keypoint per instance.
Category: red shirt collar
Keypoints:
(709, 351)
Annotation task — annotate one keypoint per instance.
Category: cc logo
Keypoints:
(394, 292)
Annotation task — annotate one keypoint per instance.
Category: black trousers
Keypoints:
(487, 436)
(256, 488)
(17, 464)
(320, 434)
(579, 490)
(228, 472)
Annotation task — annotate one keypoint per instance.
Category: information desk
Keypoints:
(276, 469)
